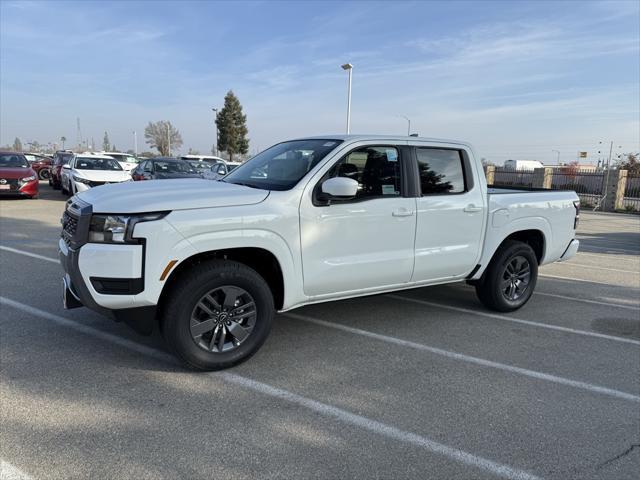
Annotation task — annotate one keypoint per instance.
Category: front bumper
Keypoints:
(571, 250)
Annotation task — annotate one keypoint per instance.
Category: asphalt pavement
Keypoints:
(423, 383)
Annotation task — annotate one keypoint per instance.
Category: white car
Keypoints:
(203, 158)
(305, 221)
(86, 171)
(126, 160)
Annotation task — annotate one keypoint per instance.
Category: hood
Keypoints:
(19, 172)
(178, 175)
(103, 175)
(176, 194)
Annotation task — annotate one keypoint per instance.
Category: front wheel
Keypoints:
(217, 315)
(44, 174)
(510, 278)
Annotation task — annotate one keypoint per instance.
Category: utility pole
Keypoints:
(557, 159)
(408, 124)
(135, 143)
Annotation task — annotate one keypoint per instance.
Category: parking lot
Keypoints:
(424, 383)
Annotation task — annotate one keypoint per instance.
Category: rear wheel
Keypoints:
(43, 174)
(218, 314)
(510, 278)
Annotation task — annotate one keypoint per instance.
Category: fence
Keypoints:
(605, 190)
(588, 185)
(631, 196)
(513, 178)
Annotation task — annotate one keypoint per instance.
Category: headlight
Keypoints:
(118, 228)
(81, 180)
(28, 179)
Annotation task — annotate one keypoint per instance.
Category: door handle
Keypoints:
(471, 208)
(402, 212)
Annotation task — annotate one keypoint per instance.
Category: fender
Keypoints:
(256, 238)
(495, 235)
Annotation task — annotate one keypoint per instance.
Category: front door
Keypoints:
(366, 241)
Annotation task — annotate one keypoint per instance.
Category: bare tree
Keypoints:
(163, 136)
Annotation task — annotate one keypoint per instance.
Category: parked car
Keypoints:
(126, 160)
(362, 214)
(202, 158)
(523, 164)
(60, 158)
(16, 176)
(161, 168)
(41, 164)
(87, 171)
(232, 165)
(216, 171)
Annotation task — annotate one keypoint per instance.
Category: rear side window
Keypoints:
(440, 171)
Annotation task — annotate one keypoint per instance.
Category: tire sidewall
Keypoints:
(497, 270)
(176, 328)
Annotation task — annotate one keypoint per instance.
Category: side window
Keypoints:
(376, 169)
(440, 171)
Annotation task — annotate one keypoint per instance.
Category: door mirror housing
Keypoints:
(340, 187)
(66, 166)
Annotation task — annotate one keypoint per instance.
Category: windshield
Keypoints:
(174, 167)
(92, 163)
(282, 166)
(13, 160)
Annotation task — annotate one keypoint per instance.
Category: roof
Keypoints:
(93, 155)
(393, 138)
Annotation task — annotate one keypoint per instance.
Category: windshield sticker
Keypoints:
(389, 190)
(392, 155)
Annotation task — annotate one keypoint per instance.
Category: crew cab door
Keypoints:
(451, 212)
(365, 241)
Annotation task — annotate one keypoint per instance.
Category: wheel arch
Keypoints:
(263, 261)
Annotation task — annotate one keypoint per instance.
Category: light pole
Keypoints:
(135, 143)
(558, 159)
(215, 121)
(349, 68)
(408, 124)
(168, 139)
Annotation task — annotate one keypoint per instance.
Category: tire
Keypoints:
(193, 289)
(43, 174)
(63, 190)
(503, 287)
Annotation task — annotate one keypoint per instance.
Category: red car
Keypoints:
(16, 176)
(61, 157)
(40, 163)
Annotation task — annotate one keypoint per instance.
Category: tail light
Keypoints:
(576, 204)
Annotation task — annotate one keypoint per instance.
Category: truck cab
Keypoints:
(308, 220)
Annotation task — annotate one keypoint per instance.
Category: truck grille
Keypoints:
(75, 223)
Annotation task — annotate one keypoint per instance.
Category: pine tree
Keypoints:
(106, 145)
(232, 127)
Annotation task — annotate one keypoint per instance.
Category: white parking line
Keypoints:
(344, 416)
(9, 472)
(469, 359)
(505, 318)
(29, 254)
(574, 264)
(381, 428)
(573, 279)
(631, 305)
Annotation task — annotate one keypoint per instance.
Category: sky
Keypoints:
(517, 79)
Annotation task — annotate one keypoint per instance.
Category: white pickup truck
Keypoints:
(305, 221)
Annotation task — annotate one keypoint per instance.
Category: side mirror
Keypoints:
(222, 171)
(66, 166)
(340, 187)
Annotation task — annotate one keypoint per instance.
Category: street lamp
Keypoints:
(558, 159)
(408, 124)
(215, 121)
(349, 68)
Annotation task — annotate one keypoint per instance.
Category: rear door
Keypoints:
(363, 242)
(450, 213)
